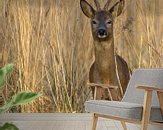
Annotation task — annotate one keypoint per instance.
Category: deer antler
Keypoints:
(107, 5)
(97, 4)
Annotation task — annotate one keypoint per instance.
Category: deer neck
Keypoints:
(104, 56)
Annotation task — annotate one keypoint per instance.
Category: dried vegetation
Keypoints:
(50, 43)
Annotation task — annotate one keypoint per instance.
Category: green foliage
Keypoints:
(19, 99)
(24, 98)
(8, 126)
(3, 73)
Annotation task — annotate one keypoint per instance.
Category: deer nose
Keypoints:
(102, 32)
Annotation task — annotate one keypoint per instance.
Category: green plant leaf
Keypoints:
(8, 126)
(2, 110)
(24, 97)
(4, 72)
(5, 107)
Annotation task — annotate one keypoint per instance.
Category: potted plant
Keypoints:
(18, 99)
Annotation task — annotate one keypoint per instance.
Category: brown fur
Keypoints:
(103, 70)
(107, 68)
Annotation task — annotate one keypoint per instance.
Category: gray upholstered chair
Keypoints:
(142, 103)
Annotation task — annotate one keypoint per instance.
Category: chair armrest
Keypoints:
(148, 88)
(102, 85)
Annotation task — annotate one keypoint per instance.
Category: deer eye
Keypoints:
(109, 22)
(94, 22)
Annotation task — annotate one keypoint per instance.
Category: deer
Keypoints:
(109, 73)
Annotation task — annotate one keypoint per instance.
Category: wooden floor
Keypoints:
(60, 121)
(57, 122)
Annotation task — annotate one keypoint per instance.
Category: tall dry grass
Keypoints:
(141, 35)
(47, 44)
(51, 46)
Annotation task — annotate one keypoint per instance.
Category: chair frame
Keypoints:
(146, 107)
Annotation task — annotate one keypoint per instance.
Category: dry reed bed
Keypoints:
(51, 46)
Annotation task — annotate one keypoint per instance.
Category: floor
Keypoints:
(60, 121)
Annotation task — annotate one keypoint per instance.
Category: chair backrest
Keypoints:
(143, 77)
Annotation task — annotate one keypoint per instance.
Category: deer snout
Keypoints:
(102, 33)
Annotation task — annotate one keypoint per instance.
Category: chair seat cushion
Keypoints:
(131, 111)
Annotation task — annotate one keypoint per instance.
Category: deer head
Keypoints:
(102, 19)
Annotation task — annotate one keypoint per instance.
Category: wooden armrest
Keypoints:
(147, 88)
(102, 86)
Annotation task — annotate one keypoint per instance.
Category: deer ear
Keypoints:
(87, 8)
(117, 8)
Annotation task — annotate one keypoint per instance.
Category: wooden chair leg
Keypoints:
(160, 98)
(98, 93)
(124, 125)
(146, 109)
(94, 122)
